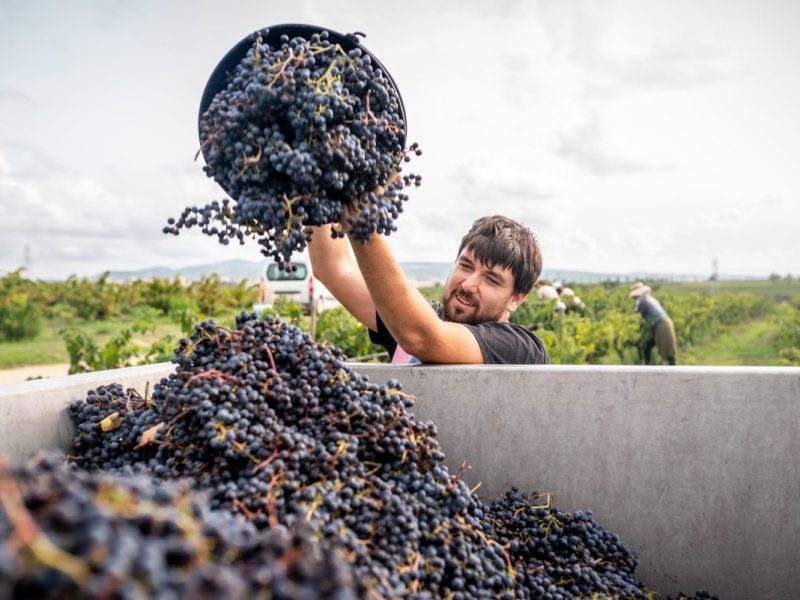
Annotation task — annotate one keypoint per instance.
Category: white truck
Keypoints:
(296, 284)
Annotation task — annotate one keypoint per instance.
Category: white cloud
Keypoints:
(10, 95)
(673, 65)
(680, 64)
(57, 206)
(770, 201)
(586, 146)
(5, 165)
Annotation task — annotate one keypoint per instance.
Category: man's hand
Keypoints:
(349, 216)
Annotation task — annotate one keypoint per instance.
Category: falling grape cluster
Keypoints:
(278, 430)
(302, 130)
(81, 535)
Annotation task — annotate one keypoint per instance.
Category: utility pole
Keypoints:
(26, 259)
(714, 276)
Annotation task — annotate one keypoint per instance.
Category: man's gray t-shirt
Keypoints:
(500, 343)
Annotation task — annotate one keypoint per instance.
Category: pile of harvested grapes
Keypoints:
(275, 430)
(302, 128)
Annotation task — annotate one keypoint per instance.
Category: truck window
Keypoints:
(275, 274)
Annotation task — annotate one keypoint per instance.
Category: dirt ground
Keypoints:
(21, 374)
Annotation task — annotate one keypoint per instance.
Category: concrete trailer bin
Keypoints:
(696, 468)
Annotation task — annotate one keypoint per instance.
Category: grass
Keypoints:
(49, 347)
(748, 344)
(46, 348)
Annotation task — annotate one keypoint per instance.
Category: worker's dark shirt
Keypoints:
(500, 343)
(650, 309)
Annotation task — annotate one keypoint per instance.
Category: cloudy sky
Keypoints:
(629, 135)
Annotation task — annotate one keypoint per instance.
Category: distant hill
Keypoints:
(229, 270)
(236, 270)
(427, 273)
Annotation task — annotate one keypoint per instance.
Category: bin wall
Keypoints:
(33, 415)
(697, 469)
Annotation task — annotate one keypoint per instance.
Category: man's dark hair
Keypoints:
(498, 240)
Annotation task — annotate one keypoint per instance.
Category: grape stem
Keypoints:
(250, 160)
(458, 474)
(213, 374)
(264, 463)
(209, 140)
(288, 202)
(283, 66)
(272, 361)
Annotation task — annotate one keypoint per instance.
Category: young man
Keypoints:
(497, 264)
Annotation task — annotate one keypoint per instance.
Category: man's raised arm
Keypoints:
(406, 313)
(336, 269)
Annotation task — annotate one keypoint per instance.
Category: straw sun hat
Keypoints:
(639, 289)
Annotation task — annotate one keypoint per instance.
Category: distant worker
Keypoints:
(572, 301)
(546, 292)
(657, 319)
(577, 305)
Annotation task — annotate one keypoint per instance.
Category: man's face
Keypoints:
(476, 294)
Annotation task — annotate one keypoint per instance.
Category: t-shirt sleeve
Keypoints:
(509, 344)
(382, 336)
